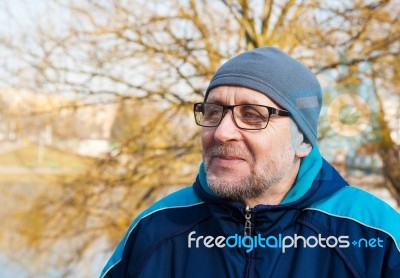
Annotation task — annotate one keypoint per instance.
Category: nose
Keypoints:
(227, 129)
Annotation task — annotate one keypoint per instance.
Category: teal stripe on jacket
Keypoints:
(358, 205)
(182, 198)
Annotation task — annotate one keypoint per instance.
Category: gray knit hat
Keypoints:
(280, 77)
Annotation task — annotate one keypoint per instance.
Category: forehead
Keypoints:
(238, 95)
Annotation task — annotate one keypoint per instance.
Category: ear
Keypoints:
(303, 149)
(299, 144)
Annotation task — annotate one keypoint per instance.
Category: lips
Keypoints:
(229, 157)
(226, 161)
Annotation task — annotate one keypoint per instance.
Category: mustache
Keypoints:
(229, 150)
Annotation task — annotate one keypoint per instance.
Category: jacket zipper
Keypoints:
(247, 223)
(248, 232)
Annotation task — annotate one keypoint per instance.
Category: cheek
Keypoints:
(261, 151)
(264, 147)
(207, 136)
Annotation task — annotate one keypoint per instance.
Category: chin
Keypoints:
(226, 179)
(235, 172)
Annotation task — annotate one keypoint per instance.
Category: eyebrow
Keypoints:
(246, 101)
(252, 101)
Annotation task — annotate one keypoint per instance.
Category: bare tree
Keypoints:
(154, 58)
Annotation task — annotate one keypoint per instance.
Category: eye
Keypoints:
(253, 114)
(211, 111)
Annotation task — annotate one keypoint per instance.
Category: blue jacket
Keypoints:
(323, 228)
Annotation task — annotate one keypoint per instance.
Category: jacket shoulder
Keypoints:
(154, 219)
(357, 205)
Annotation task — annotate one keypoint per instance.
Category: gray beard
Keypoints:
(240, 189)
(252, 186)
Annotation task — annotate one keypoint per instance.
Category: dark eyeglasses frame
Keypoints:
(225, 108)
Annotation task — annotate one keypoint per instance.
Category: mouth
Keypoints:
(226, 161)
(229, 157)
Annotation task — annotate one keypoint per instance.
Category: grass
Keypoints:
(34, 156)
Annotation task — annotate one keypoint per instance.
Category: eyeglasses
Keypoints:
(245, 116)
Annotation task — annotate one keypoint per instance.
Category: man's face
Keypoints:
(242, 164)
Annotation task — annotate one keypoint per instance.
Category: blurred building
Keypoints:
(54, 120)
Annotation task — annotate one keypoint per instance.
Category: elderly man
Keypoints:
(265, 203)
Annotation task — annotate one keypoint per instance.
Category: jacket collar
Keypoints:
(316, 179)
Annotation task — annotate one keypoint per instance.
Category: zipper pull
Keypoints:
(247, 223)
